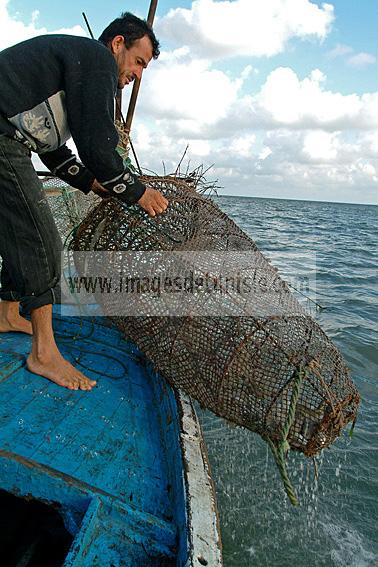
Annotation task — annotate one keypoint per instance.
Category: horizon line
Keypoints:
(293, 199)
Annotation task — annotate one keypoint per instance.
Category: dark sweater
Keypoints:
(57, 86)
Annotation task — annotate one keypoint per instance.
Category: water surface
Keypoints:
(336, 522)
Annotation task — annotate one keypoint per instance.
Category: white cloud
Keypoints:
(359, 60)
(371, 140)
(318, 164)
(242, 146)
(191, 98)
(142, 137)
(189, 91)
(290, 137)
(339, 51)
(321, 146)
(284, 99)
(286, 163)
(200, 148)
(13, 30)
(228, 29)
(265, 153)
(362, 60)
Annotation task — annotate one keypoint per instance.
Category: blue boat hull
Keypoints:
(111, 460)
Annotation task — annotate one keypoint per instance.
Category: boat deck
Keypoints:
(107, 459)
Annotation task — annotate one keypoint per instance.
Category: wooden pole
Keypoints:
(134, 94)
(88, 26)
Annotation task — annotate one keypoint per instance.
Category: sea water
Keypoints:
(329, 253)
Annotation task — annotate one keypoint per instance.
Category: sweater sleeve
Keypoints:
(90, 90)
(64, 164)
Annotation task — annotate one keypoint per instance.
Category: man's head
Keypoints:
(133, 44)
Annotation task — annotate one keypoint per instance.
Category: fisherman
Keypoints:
(55, 87)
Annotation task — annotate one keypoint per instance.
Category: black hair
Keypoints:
(132, 28)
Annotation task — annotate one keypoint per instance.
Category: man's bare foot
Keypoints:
(45, 358)
(60, 371)
(20, 325)
(11, 320)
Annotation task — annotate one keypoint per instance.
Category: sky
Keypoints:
(280, 96)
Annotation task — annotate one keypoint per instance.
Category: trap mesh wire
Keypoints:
(242, 368)
(68, 206)
(277, 375)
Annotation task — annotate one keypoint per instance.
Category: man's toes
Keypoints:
(84, 383)
(88, 383)
(73, 383)
(84, 386)
(84, 380)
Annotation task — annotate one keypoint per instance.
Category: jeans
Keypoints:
(30, 245)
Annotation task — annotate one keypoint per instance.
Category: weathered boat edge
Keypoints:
(203, 527)
(92, 512)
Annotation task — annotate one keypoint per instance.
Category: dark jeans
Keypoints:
(30, 246)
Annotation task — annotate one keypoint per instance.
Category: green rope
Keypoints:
(352, 428)
(280, 450)
(296, 387)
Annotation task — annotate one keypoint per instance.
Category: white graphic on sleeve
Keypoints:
(45, 126)
(73, 170)
(120, 188)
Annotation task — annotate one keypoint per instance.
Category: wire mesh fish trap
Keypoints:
(278, 375)
(68, 206)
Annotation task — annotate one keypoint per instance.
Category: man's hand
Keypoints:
(153, 202)
(100, 190)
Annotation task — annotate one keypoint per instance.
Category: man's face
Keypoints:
(132, 61)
